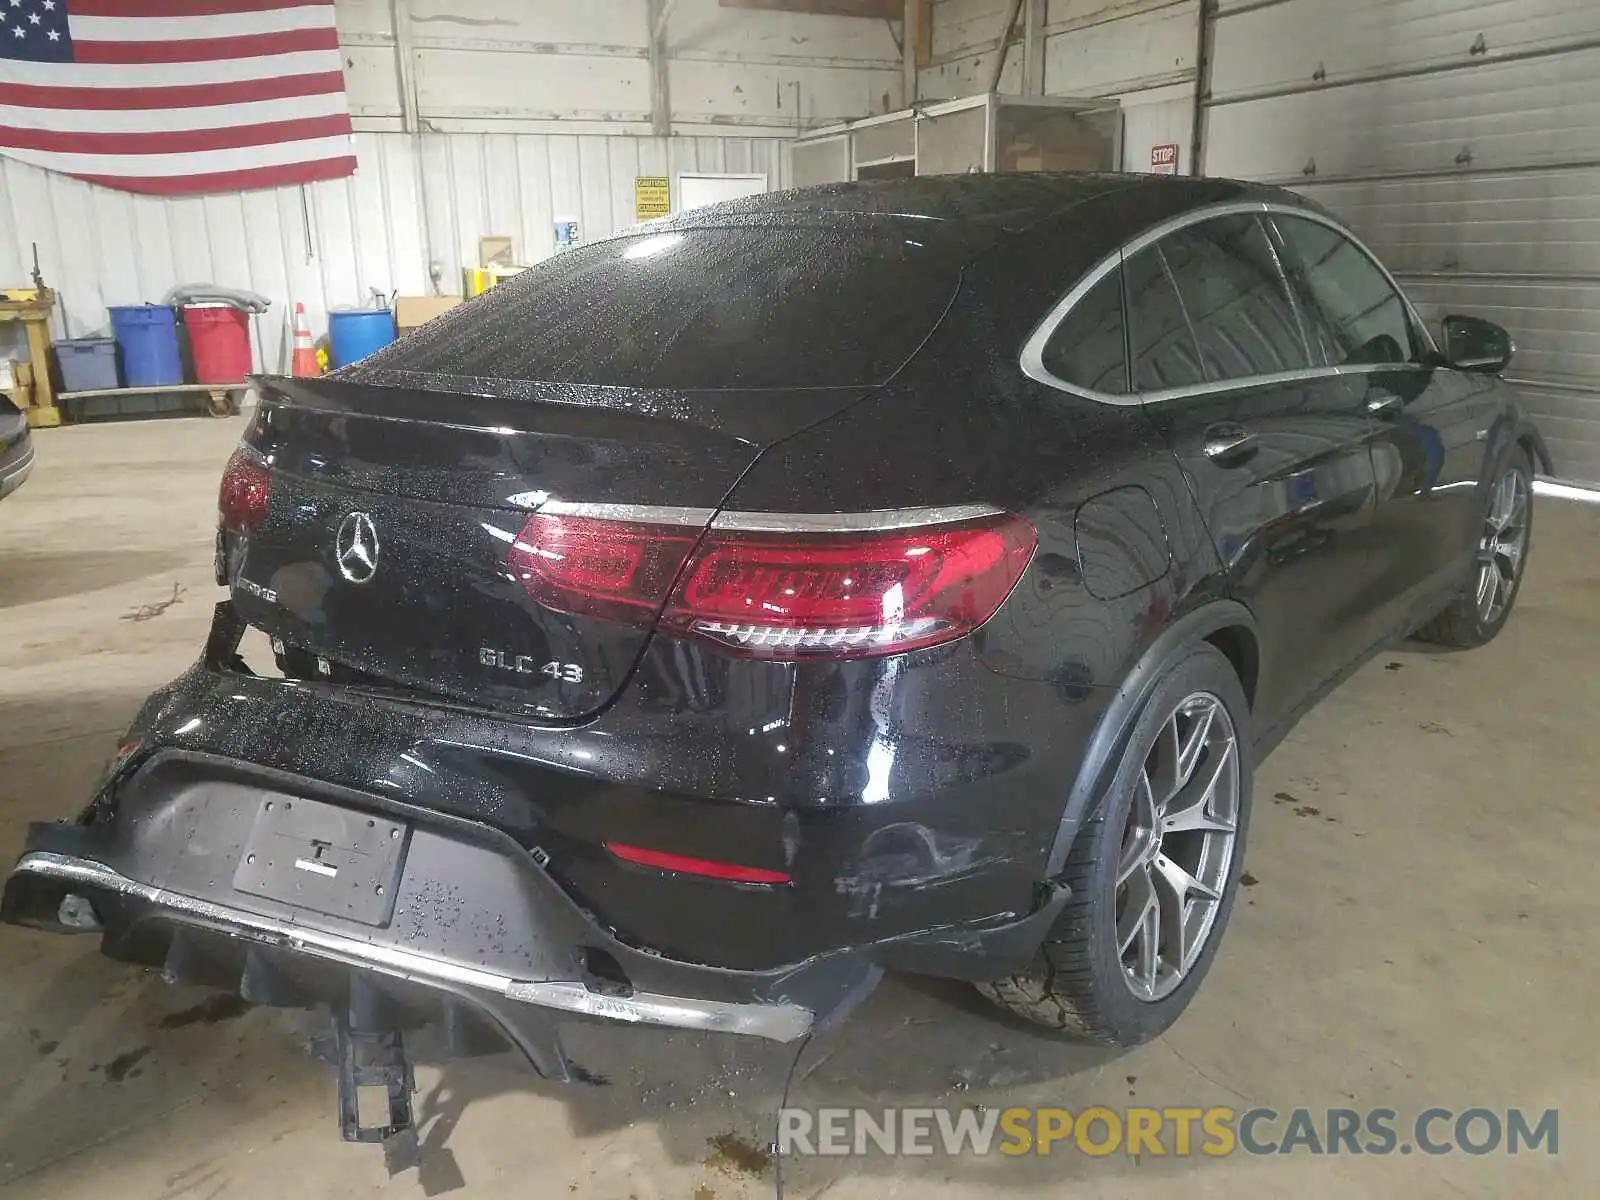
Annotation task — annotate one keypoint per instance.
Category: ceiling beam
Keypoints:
(660, 97)
(1033, 26)
(1005, 45)
(658, 23)
(915, 45)
(878, 10)
(922, 29)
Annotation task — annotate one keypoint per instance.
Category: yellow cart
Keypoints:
(34, 313)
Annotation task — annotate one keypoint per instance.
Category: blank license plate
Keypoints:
(324, 858)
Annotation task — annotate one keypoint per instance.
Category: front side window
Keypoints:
(1227, 272)
(1087, 348)
(1164, 352)
(1353, 313)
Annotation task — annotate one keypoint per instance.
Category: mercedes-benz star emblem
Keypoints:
(355, 547)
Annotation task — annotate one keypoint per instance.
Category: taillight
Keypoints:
(850, 594)
(601, 568)
(242, 500)
(779, 592)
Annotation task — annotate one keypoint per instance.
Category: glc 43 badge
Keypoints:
(526, 664)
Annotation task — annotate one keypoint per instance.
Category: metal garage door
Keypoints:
(1462, 139)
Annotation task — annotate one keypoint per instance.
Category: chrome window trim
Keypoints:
(1032, 358)
(857, 522)
(1243, 382)
(871, 521)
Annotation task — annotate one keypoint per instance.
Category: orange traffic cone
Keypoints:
(305, 354)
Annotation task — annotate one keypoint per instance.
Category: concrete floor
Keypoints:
(1422, 932)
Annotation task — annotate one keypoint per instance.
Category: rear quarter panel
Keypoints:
(961, 423)
(989, 733)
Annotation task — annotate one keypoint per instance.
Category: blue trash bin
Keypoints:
(147, 335)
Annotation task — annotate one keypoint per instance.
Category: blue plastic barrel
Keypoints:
(147, 335)
(354, 333)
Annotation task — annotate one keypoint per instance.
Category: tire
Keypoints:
(1078, 982)
(1467, 621)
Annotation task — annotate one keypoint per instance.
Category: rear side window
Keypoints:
(1163, 349)
(1088, 348)
(1227, 271)
(1353, 313)
(775, 306)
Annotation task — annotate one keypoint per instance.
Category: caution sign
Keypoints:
(651, 197)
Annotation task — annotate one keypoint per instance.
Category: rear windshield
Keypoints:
(703, 308)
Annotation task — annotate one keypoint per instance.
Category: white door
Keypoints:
(695, 191)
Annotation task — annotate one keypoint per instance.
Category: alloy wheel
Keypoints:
(1500, 551)
(1177, 847)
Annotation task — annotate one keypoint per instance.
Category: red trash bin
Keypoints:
(219, 336)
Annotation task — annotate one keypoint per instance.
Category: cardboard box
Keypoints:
(495, 251)
(411, 311)
(477, 280)
(17, 383)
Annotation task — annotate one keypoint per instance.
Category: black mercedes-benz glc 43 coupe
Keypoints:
(887, 576)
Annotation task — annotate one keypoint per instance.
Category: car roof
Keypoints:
(968, 213)
(1012, 200)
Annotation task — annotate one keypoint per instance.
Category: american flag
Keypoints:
(175, 96)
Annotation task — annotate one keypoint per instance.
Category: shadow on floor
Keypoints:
(96, 1048)
(714, 1099)
(31, 576)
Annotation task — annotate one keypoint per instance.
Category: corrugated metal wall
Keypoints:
(553, 66)
(416, 199)
(1142, 52)
(1462, 139)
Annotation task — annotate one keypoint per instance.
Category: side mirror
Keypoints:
(1473, 344)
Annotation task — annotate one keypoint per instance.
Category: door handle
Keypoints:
(1383, 404)
(1229, 445)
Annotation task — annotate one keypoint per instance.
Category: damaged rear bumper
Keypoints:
(475, 940)
(478, 942)
(781, 1022)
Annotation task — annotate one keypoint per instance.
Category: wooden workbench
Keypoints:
(35, 314)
